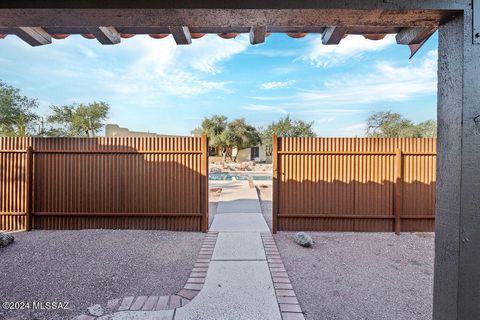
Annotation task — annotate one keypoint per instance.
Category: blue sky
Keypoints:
(155, 85)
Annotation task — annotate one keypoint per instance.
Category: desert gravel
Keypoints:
(350, 276)
(88, 267)
(361, 275)
(265, 196)
(213, 197)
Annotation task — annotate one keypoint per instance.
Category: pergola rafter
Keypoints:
(183, 35)
(329, 22)
(34, 36)
(105, 35)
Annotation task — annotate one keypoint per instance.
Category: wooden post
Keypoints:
(275, 184)
(29, 188)
(204, 184)
(398, 196)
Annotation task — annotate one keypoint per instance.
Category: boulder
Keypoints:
(96, 310)
(6, 239)
(303, 239)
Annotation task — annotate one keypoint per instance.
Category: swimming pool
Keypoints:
(219, 176)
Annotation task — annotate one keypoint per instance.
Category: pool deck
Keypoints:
(234, 175)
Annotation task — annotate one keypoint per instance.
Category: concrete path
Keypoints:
(239, 210)
(238, 198)
(239, 284)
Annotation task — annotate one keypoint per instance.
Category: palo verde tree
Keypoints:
(388, 124)
(224, 136)
(286, 127)
(78, 120)
(213, 127)
(239, 134)
(17, 112)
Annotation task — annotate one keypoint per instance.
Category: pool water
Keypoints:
(238, 176)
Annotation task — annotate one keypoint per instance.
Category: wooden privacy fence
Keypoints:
(354, 184)
(115, 183)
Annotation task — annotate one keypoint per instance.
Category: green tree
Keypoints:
(427, 129)
(224, 135)
(286, 127)
(17, 116)
(78, 120)
(240, 135)
(213, 127)
(388, 124)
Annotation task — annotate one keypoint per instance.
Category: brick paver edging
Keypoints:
(153, 303)
(287, 300)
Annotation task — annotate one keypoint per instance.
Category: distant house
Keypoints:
(258, 154)
(114, 130)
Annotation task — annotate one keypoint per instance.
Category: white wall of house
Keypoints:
(244, 155)
(114, 130)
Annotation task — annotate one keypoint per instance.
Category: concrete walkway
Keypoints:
(246, 279)
(238, 283)
(239, 210)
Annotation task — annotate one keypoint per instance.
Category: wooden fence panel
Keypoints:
(13, 183)
(354, 184)
(120, 183)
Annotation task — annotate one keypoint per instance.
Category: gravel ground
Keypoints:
(87, 267)
(265, 196)
(359, 275)
(362, 275)
(213, 196)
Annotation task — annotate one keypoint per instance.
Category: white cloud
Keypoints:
(164, 66)
(211, 50)
(354, 130)
(347, 96)
(277, 85)
(322, 111)
(269, 98)
(386, 82)
(283, 70)
(275, 53)
(259, 107)
(140, 66)
(353, 46)
(285, 109)
(87, 52)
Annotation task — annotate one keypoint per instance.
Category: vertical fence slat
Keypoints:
(397, 203)
(29, 188)
(75, 183)
(204, 183)
(354, 184)
(275, 184)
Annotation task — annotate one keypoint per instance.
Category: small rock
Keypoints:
(6, 239)
(303, 239)
(96, 310)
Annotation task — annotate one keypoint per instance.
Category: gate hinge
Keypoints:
(476, 21)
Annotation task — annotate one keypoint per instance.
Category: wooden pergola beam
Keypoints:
(222, 18)
(414, 35)
(106, 35)
(257, 34)
(181, 35)
(333, 35)
(34, 36)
